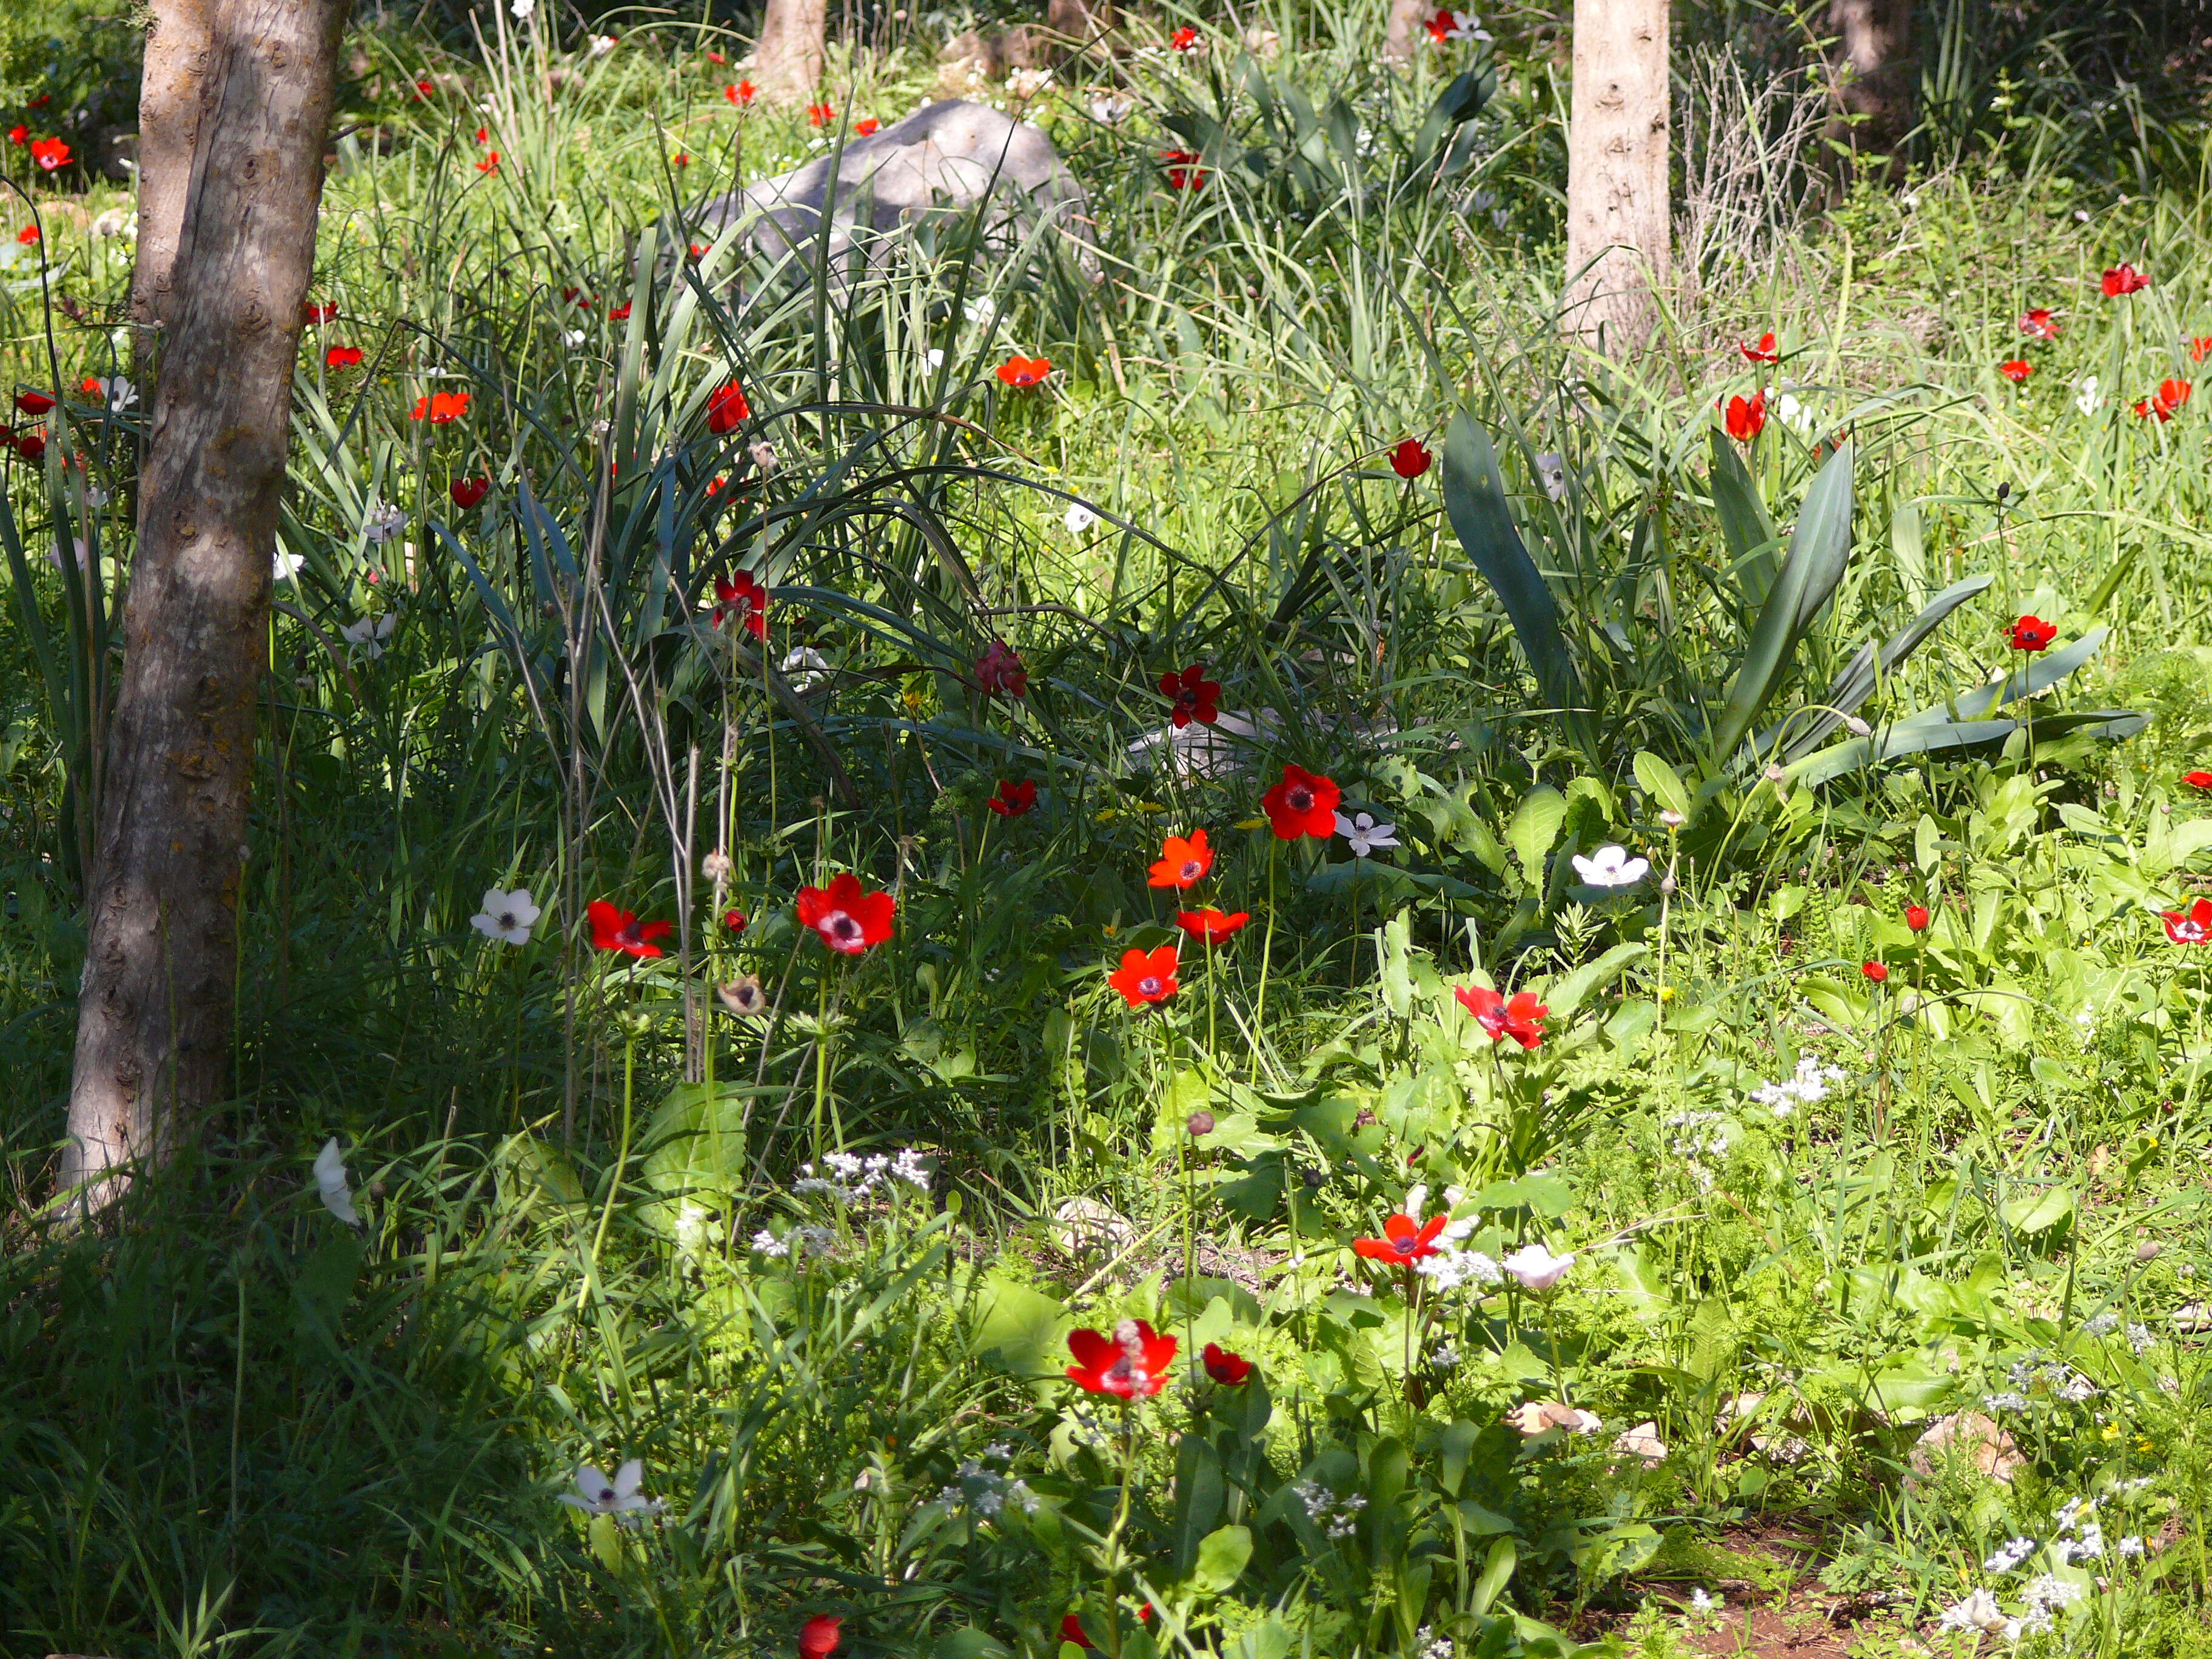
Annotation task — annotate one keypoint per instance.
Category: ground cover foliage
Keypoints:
(620, 568)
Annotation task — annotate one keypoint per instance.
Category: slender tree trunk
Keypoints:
(1618, 221)
(175, 89)
(153, 1012)
(1872, 60)
(792, 51)
(1401, 38)
(1080, 23)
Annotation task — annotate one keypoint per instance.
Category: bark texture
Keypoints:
(1401, 38)
(1617, 221)
(1080, 23)
(1872, 59)
(789, 58)
(154, 1011)
(175, 87)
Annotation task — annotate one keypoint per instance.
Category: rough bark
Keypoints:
(789, 57)
(1617, 202)
(154, 1011)
(174, 90)
(1872, 61)
(1401, 38)
(1080, 23)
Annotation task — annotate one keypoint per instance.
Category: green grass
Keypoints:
(236, 1427)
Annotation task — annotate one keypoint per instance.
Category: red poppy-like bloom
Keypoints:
(734, 920)
(742, 93)
(1409, 459)
(1744, 416)
(2198, 780)
(744, 598)
(620, 930)
(50, 154)
(483, 135)
(618, 313)
(1194, 696)
(317, 315)
(1764, 352)
(1184, 40)
(33, 403)
(2200, 348)
(726, 409)
(1000, 670)
(2032, 634)
(1224, 1366)
(2016, 370)
(2171, 395)
(2124, 279)
(2193, 927)
(468, 492)
(2040, 325)
(342, 357)
(490, 162)
(423, 89)
(1071, 1627)
(440, 408)
(1182, 863)
(716, 57)
(1916, 917)
(19, 134)
(1876, 971)
(1303, 804)
(1183, 171)
(679, 160)
(821, 115)
(1130, 1365)
(1401, 1240)
(1521, 1018)
(1020, 371)
(1014, 798)
(31, 446)
(849, 918)
(1210, 927)
(864, 128)
(29, 234)
(817, 1636)
(1145, 976)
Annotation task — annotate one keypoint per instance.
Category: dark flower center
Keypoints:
(1149, 986)
(842, 925)
(608, 1496)
(507, 918)
(1192, 869)
(1300, 799)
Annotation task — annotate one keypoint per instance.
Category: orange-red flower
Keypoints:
(1917, 917)
(342, 357)
(743, 92)
(1409, 459)
(821, 115)
(1001, 669)
(1194, 696)
(29, 234)
(1303, 804)
(2193, 927)
(2016, 370)
(490, 162)
(33, 403)
(2032, 634)
(1145, 976)
(19, 134)
(440, 408)
(1403, 1240)
(1764, 352)
(1020, 371)
(2198, 780)
(2200, 348)
(2040, 325)
(864, 128)
(1130, 1365)
(1225, 1366)
(2124, 279)
(849, 919)
(1521, 1017)
(744, 598)
(817, 1636)
(619, 930)
(1210, 925)
(1183, 170)
(1875, 971)
(1744, 416)
(1014, 798)
(1184, 40)
(1182, 863)
(50, 154)
(317, 315)
(726, 409)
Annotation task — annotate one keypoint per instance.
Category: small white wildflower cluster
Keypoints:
(2010, 1554)
(1430, 1645)
(1693, 1146)
(2034, 1376)
(850, 1177)
(1337, 1517)
(1701, 1603)
(1447, 1355)
(799, 1241)
(987, 1491)
(2137, 1337)
(1455, 1269)
(1811, 1083)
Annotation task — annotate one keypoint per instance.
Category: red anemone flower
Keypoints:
(821, 115)
(2123, 279)
(1181, 863)
(734, 920)
(1014, 798)
(743, 92)
(50, 154)
(468, 492)
(440, 408)
(1764, 352)
(817, 1636)
(490, 162)
(746, 598)
(1130, 1365)
(2040, 325)
(2200, 348)
(849, 918)
(33, 403)
(1521, 1018)
(1916, 917)
(317, 315)
(620, 930)
(1303, 804)
(1402, 1241)
(1001, 669)
(342, 357)
(1194, 696)
(726, 409)
(1071, 1627)
(1183, 171)
(1225, 1366)
(2032, 634)
(1876, 971)
(618, 313)
(2193, 927)
(863, 129)
(2198, 780)
(1145, 976)
(1184, 40)
(31, 446)
(29, 234)
(2016, 370)
(483, 135)
(1020, 371)
(679, 160)
(1744, 416)
(423, 89)
(19, 134)
(1211, 927)
(1409, 459)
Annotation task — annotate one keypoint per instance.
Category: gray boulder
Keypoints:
(946, 158)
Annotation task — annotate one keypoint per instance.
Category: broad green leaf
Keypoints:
(1459, 103)
(1548, 1196)
(1565, 994)
(1223, 1556)
(1661, 783)
(1536, 826)
(1455, 1446)
(2035, 1213)
(1497, 1570)
(1199, 1494)
(1745, 527)
(1019, 1327)
(1918, 737)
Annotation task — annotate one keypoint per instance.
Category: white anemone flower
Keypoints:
(507, 916)
(1978, 1612)
(383, 521)
(602, 45)
(1536, 1268)
(522, 8)
(1464, 26)
(369, 634)
(1364, 834)
(1611, 867)
(331, 1183)
(1079, 517)
(289, 565)
(118, 394)
(2087, 397)
(1552, 471)
(598, 1495)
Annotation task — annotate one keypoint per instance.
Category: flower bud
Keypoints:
(1313, 1178)
(1199, 1123)
(2147, 1251)
(1672, 819)
(716, 865)
(1774, 773)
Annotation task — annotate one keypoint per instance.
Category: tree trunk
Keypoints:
(154, 1011)
(173, 92)
(1872, 60)
(791, 53)
(1401, 38)
(1079, 24)
(1617, 207)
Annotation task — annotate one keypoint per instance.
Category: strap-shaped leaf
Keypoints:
(2043, 671)
(1475, 500)
(1819, 549)
(1750, 534)
(1458, 103)
(1893, 741)
(1857, 683)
